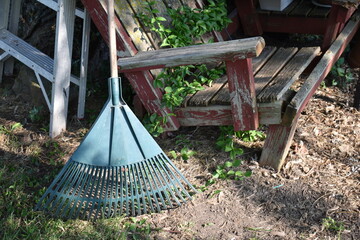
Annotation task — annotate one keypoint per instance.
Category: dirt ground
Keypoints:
(320, 177)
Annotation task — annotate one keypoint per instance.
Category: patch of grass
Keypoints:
(333, 225)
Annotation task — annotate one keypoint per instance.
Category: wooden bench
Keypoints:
(257, 89)
(301, 16)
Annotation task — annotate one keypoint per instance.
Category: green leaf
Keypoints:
(162, 19)
(231, 172)
(236, 163)
(228, 164)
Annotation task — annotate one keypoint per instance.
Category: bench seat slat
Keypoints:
(291, 72)
(263, 77)
(203, 97)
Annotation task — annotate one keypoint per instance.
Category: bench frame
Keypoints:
(243, 112)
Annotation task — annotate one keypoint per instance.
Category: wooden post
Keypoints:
(13, 28)
(4, 17)
(277, 144)
(242, 94)
(62, 66)
(249, 18)
(84, 64)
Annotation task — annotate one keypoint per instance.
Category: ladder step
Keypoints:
(29, 55)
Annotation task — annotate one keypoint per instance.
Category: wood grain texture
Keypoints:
(321, 70)
(196, 54)
(273, 67)
(242, 94)
(277, 144)
(132, 26)
(303, 9)
(290, 73)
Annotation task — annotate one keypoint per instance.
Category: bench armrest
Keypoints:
(196, 54)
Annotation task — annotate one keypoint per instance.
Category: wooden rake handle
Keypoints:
(112, 40)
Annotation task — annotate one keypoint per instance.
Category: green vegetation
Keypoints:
(333, 225)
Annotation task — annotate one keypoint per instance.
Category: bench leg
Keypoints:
(357, 96)
(277, 144)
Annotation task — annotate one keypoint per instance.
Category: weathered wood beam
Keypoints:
(303, 96)
(4, 21)
(62, 66)
(196, 54)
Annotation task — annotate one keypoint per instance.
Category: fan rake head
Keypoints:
(90, 192)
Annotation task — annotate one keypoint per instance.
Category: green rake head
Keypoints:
(118, 169)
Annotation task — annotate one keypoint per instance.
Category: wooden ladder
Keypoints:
(57, 70)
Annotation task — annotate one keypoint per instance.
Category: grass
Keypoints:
(25, 172)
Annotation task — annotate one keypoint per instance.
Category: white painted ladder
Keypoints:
(57, 70)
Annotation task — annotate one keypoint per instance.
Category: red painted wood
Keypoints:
(140, 81)
(321, 78)
(242, 94)
(151, 97)
(277, 144)
(205, 116)
(287, 24)
(249, 18)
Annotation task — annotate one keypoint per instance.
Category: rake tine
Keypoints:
(83, 192)
(91, 182)
(74, 190)
(95, 193)
(151, 188)
(179, 173)
(126, 192)
(165, 161)
(168, 181)
(136, 190)
(157, 183)
(101, 194)
(144, 188)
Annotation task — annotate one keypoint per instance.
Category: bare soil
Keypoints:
(319, 179)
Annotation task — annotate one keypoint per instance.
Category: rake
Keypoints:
(118, 169)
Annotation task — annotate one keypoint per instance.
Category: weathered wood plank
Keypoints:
(4, 21)
(132, 26)
(273, 67)
(260, 60)
(205, 116)
(196, 54)
(277, 144)
(320, 12)
(203, 97)
(138, 6)
(291, 72)
(321, 70)
(242, 94)
(216, 115)
(303, 9)
(62, 66)
(288, 9)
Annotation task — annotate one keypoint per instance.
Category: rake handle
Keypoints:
(112, 39)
